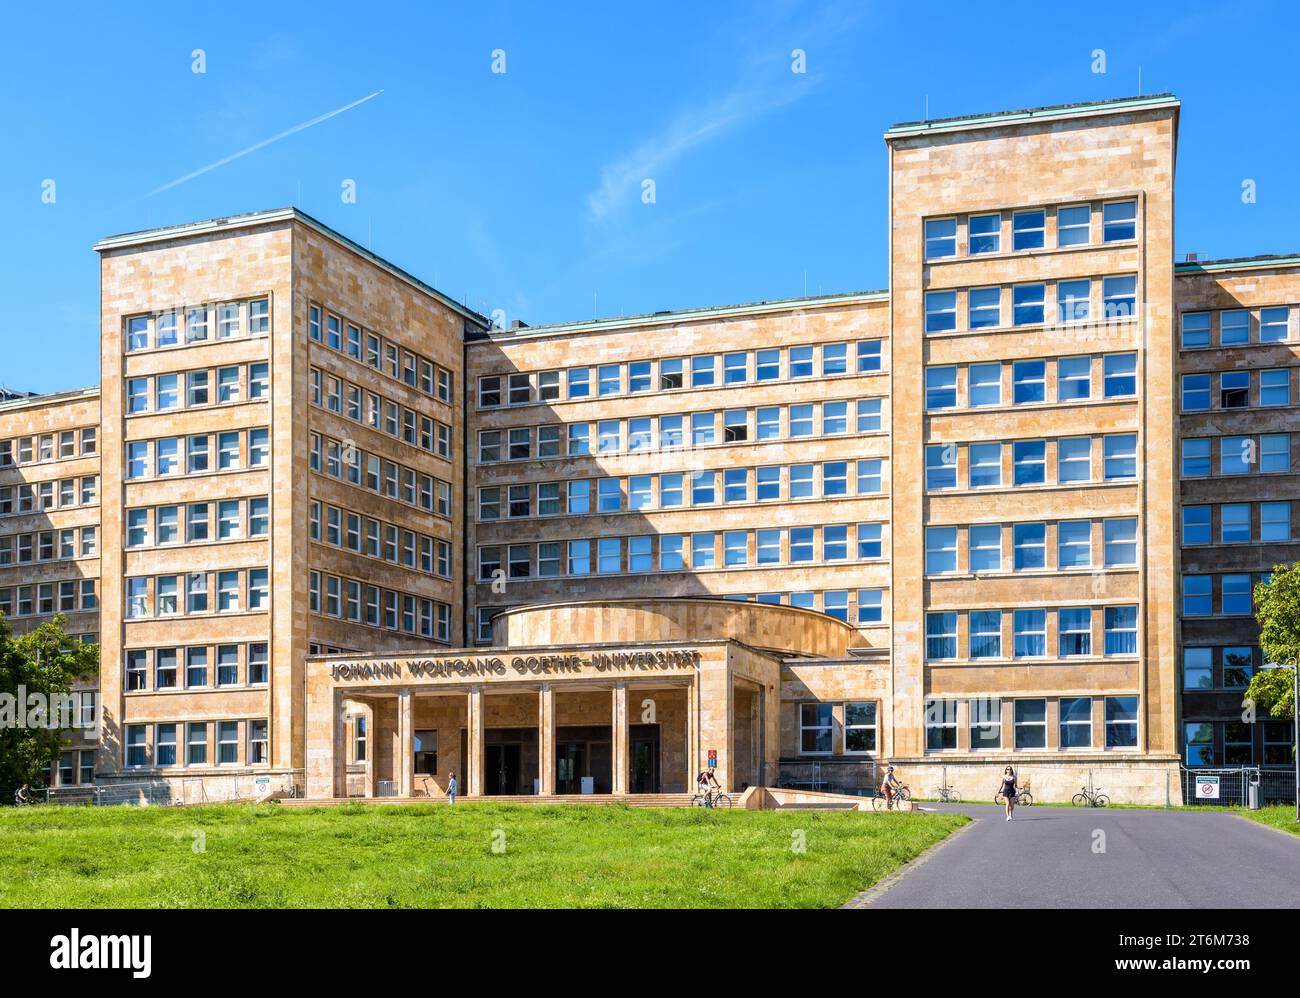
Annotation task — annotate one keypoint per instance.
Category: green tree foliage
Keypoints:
(1277, 608)
(37, 668)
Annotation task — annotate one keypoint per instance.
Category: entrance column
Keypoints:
(546, 740)
(474, 742)
(339, 757)
(405, 761)
(622, 763)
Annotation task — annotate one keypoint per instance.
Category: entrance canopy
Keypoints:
(679, 685)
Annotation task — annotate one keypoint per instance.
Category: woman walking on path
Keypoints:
(1008, 790)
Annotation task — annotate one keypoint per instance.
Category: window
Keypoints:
(985, 548)
(1196, 525)
(1030, 633)
(1027, 229)
(137, 334)
(940, 550)
(941, 635)
(639, 554)
(1120, 630)
(1119, 297)
(801, 545)
(1236, 595)
(196, 744)
(870, 606)
(1073, 378)
(940, 466)
(985, 724)
(579, 557)
(1274, 453)
(1118, 221)
(1073, 225)
(1234, 523)
(940, 311)
(609, 379)
(869, 359)
(136, 670)
(670, 375)
(1030, 721)
(869, 415)
(259, 663)
(940, 387)
(1238, 668)
(940, 238)
(672, 552)
(1074, 544)
(1234, 390)
(1119, 457)
(870, 481)
(1075, 631)
(1027, 306)
(985, 384)
(1029, 543)
(1234, 328)
(984, 233)
(1196, 392)
(1075, 725)
(801, 421)
(1275, 521)
(816, 727)
(1196, 458)
(940, 725)
(1275, 387)
(1119, 375)
(985, 633)
(983, 308)
(835, 359)
(1029, 381)
(703, 373)
(985, 465)
(1121, 722)
(860, 727)
(835, 417)
(135, 745)
(1198, 669)
(1120, 543)
(1029, 462)
(1273, 325)
(1197, 600)
(1195, 330)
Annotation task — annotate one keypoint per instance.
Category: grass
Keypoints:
(1280, 816)
(439, 856)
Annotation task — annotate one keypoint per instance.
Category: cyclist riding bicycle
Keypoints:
(889, 785)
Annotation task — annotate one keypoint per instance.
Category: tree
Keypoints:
(37, 671)
(1277, 608)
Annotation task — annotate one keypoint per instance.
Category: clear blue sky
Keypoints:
(522, 191)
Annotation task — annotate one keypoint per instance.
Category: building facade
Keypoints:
(353, 537)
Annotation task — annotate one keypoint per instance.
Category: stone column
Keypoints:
(621, 762)
(404, 761)
(474, 742)
(546, 740)
(338, 763)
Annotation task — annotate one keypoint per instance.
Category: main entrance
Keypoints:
(644, 753)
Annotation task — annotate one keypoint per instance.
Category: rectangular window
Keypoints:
(985, 386)
(1121, 624)
(1119, 297)
(1275, 521)
(1073, 378)
(1119, 456)
(1029, 381)
(985, 724)
(940, 550)
(1119, 375)
(1120, 542)
(940, 238)
(869, 358)
(1075, 723)
(1234, 390)
(1197, 598)
(1029, 462)
(1121, 722)
(1274, 325)
(1075, 631)
(940, 725)
(816, 728)
(940, 466)
(1195, 330)
(1234, 328)
(1028, 229)
(1198, 668)
(860, 727)
(1027, 304)
(1030, 633)
(941, 635)
(1118, 221)
(1074, 544)
(985, 633)
(1236, 595)
(1073, 225)
(1275, 387)
(1073, 300)
(983, 308)
(1029, 544)
(984, 233)
(985, 543)
(1031, 724)
(940, 387)
(940, 311)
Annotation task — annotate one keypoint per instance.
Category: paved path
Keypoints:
(1044, 858)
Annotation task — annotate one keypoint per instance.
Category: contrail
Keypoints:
(260, 145)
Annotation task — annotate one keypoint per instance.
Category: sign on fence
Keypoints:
(1207, 787)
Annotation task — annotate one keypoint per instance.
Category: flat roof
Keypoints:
(48, 398)
(254, 218)
(1050, 112)
(683, 315)
(1261, 262)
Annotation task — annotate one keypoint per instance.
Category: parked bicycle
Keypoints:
(1023, 799)
(882, 803)
(946, 795)
(1091, 797)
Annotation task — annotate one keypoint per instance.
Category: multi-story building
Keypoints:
(50, 488)
(350, 528)
(281, 430)
(1237, 366)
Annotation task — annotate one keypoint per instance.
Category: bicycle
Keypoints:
(1090, 797)
(711, 798)
(1023, 799)
(946, 795)
(882, 803)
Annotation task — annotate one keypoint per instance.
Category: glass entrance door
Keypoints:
(570, 765)
(644, 752)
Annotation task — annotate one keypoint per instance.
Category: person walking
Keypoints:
(1008, 789)
(451, 786)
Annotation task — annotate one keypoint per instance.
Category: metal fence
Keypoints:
(212, 789)
(847, 776)
(1231, 787)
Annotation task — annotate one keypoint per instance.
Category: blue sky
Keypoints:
(522, 190)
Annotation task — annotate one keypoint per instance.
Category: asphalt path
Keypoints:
(1064, 857)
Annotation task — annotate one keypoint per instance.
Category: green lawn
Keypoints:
(470, 855)
(1282, 817)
